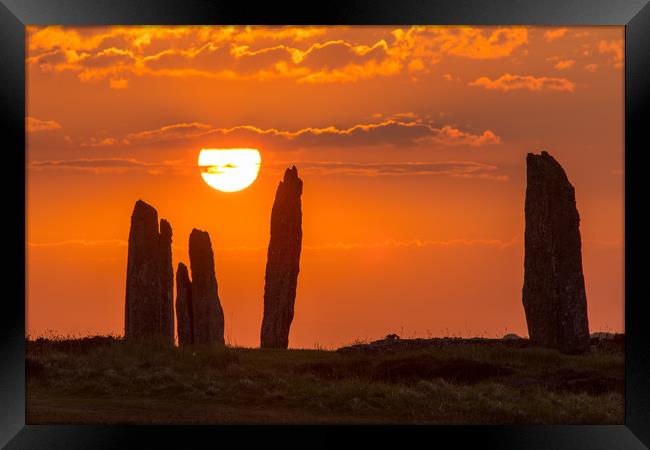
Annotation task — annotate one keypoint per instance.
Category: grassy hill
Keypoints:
(105, 380)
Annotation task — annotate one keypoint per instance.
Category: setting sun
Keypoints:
(229, 170)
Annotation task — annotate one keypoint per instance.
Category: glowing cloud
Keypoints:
(557, 33)
(33, 125)
(509, 82)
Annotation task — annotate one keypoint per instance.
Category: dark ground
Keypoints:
(105, 380)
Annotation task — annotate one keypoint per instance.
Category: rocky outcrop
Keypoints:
(554, 289)
(149, 300)
(207, 314)
(283, 262)
(184, 313)
(390, 344)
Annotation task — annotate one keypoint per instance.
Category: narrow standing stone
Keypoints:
(208, 320)
(184, 314)
(283, 262)
(554, 296)
(149, 278)
(166, 281)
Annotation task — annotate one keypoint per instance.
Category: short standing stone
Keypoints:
(184, 315)
(283, 262)
(208, 320)
(554, 288)
(149, 278)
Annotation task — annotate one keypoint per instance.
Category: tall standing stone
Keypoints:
(149, 277)
(184, 313)
(166, 280)
(207, 320)
(283, 262)
(554, 296)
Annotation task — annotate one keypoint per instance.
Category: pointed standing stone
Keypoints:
(184, 306)
(208, 320)
(554, 288)
(283, 262)
(149, 278)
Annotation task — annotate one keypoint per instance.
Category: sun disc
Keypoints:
(229, 169)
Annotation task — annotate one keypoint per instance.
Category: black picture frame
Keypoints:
(633, 14)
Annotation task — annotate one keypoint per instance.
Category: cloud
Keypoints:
(401, 115)
(389, 132)
(102, 142)
(117, 52)
(448, 135)
(509, 82)
(81, 242)
(305, 55)
(33, 125)
(554, 34)
(564, 64)
(108, 165)
(430, 43)
(459, 169)
(329, 61)
(154, 37)
(616, 49)
(416, 243)
(170, 132)
(450, 77)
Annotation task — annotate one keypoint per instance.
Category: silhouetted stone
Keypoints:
(283, 262)
(208, 323)
(149, 278)
(184, 315)
(554, 288)
(166, 280)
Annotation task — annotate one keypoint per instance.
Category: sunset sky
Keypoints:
(410, 141)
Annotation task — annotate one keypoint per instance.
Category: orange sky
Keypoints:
(411, 143)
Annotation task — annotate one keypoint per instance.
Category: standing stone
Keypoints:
(208, 321)
(184, 315)
(149, 278)
(554, 288)
(283, 262)
(166, 280)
